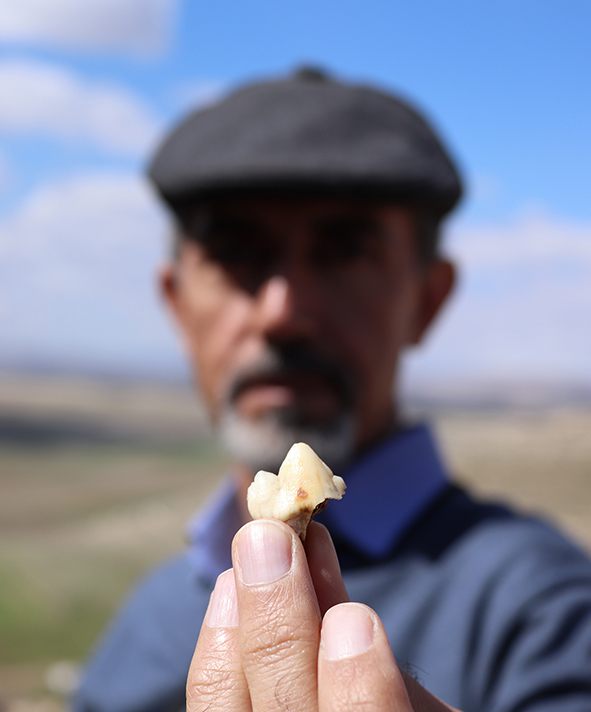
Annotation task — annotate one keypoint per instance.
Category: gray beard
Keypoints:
(263, 444)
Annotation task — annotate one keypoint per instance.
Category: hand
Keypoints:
(279, 634)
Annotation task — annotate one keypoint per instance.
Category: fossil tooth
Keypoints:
(301, 488)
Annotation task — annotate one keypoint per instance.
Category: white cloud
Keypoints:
(135, 26)
(523, 306)
(533, 239)
(77, 268)
(50, 100)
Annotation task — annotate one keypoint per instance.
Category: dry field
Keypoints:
(98, 482)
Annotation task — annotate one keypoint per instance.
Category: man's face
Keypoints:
(294, 313)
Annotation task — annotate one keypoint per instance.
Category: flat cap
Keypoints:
(307, 132)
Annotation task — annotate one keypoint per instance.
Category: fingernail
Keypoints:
(222, 611)
(264, 552)
(347, 630)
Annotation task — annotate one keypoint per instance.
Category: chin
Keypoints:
(262, 444)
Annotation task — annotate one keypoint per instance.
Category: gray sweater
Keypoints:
(489, 610)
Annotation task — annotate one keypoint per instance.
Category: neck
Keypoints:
(382, 427)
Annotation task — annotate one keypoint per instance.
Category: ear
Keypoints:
(439, 280)
(171, 294)
(168, 286)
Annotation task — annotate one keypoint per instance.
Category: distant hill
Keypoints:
(51, 408)
(49, 403)
(499, 395)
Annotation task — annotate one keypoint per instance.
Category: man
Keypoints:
(306, 261)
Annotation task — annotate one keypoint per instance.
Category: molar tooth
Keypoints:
(301, 488)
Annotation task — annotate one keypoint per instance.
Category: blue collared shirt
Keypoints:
(387, 489)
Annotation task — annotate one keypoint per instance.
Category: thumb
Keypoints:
(356, 668)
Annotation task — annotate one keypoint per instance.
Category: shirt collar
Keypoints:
(387, 489)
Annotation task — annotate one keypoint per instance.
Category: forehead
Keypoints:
(290, 211)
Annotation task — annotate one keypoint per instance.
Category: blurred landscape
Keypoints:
(100, 476)
(99, 471)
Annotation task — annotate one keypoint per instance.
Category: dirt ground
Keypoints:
(98, 484)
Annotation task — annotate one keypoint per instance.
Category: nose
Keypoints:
(283, 311)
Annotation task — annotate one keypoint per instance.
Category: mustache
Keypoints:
(293, 360)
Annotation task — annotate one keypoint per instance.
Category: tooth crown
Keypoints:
(303, 485)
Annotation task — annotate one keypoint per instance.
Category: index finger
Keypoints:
(279, 617)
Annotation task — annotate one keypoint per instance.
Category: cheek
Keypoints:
(372, 320)
(215, 318)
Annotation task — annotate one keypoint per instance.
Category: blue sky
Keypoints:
(87, 88)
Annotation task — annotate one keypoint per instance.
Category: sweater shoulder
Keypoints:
(152, 638)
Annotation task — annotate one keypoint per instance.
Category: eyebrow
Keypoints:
(206, 226)
(348, 222)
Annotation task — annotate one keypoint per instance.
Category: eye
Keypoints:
(345, 241)
(240, 247)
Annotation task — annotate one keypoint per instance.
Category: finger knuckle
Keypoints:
(269, 647)
(354, 700)
(208, 684)
(356, 691)
(294, 693)
(353, 704)
(276, 637)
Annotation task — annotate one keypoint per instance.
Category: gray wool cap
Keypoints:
(307, 133)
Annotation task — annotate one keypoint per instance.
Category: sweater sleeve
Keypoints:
(538, 658)
(141, 663)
